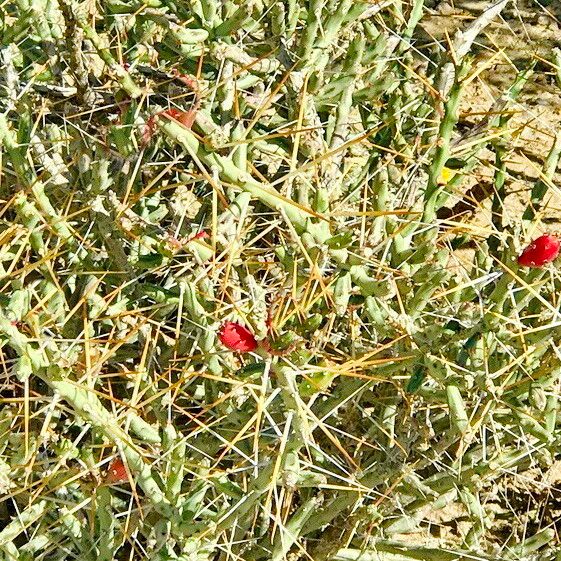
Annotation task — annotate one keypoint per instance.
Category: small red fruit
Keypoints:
(185, 118)
(237, 337)
(117, 472)
(199, 236)
(541, 251)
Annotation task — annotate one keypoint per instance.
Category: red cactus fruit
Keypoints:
(117, 472)
(199, 236)
(236, 337)
(185, 118)
(541, 251)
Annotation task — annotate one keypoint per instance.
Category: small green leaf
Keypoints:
(315, 383)
(150, 261)
(416, 380)
(252, 370)
(340, 241)
(455, 163)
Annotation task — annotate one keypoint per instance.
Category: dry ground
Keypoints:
(526, 31)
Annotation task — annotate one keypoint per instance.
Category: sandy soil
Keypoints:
(525, 32)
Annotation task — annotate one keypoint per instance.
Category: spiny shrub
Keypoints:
(238, 319)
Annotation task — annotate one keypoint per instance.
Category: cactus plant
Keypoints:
(279, 179)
